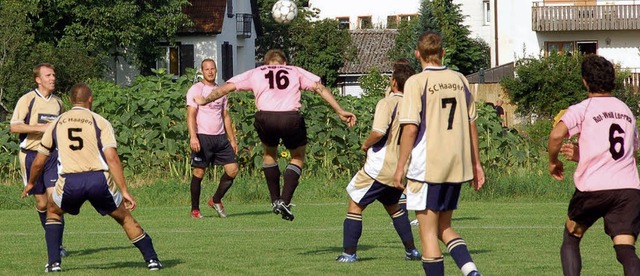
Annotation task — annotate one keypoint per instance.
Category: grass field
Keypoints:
(505, 238)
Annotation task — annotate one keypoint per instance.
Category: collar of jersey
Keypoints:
(435, 68)
(80, 107)
(39, 94)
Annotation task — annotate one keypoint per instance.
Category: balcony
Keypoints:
(610, 17)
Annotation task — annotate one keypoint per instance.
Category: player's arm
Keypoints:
(28, 129)
(555, 143)
(407, 139)
(373, 138)
(36, 170)
(194, 143)
(217, 93)
(115, 167)
(228, 128)
(327, 96)
(478, 172)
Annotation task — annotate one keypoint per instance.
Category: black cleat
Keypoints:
(285, 210)
(154, 265)
(54, 267)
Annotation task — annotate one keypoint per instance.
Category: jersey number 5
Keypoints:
(77, 139)
(280, 79)
(615, 140)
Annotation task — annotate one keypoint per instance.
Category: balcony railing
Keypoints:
(585, 18)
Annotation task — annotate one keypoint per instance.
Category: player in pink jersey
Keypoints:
(276, 87)
(606, 178)
(212, 140)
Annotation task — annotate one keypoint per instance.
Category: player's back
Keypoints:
(81, 136)
(382, 157)
(276, 87)
(441, 99)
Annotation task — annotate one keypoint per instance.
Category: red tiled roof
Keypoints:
(372, 46)
(207, 16)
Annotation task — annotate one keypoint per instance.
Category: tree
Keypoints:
(462, 52)
(111, 28)
(317, 45)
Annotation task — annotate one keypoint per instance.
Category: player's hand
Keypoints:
(42, 127)
(478, 178)
(194, 143)
(348, 118)
(26, 190)
(397, 180)
(199, 100)
(556, 169)
(234, 146)
(129, 202)
(364, 148)
(571, 151)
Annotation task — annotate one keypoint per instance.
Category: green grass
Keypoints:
(505, 238)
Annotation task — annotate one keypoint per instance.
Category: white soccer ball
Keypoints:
(284, 11)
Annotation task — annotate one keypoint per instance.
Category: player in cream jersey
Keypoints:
(375, 180)
(90, 170)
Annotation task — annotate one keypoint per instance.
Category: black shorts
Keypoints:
(620, 209)
(214, 149)
(92, 186)
(387, 195)
(286, 125)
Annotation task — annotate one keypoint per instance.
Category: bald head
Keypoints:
(80, 94)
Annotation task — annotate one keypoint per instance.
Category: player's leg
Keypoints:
(137, 236)
(226, 180)
(271, 174)
(294, 138)
(26, 159)
(622, 223)
(389, 199)
(456, 246)
(432, 259)
(53, 235)
(570, 249)
(195, 189)
(352, 230)
(49, 178)
(292, 173)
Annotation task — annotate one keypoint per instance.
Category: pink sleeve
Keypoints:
(193, 91)
(572, 120)
(243, 81)
(307, 79)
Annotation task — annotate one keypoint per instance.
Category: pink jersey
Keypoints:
(608, 139)
(276, 87)
(209, 117)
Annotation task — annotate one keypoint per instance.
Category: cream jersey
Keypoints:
(80, 136)
(382, 157)
(439, 102)
(276, 87)
(33, 109)
(608, 139)
(209, 119)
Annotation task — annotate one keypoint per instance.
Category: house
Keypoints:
(372, 46)
(224, 30)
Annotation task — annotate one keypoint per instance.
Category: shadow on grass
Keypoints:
(116, 265)
(466, 218)
(96, 250)
(254, 213)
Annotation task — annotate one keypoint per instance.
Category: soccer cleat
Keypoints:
(285, 210)
(218, 207)
(274, 207)
(54, 267)
(474, 273)
(346, 258)
(414, 222)
(154, 265)
(196, 214)
(412, 255)
(63, 252)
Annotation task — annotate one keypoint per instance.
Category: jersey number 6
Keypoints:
(281, 80)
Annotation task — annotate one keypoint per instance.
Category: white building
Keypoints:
(223, 30)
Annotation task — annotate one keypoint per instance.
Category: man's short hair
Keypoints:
(430, 46)
(275, 55)
(36, 69)
(401, 74)
(599, 74)
(207, 60)
(400, 61)
(80, 93)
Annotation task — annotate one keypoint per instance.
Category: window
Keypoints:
(176, 59)
(364, 22)
(487, 12)
(343, 23)
(407, 17)
(392, 22)
(243, 24)
(570, 47)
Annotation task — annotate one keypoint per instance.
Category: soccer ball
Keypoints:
(284, 11)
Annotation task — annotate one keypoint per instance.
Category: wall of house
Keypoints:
(243, 48)
(490, 93)
(349, 85)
